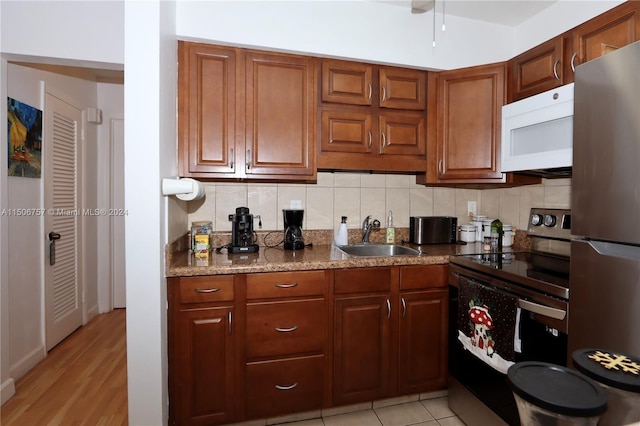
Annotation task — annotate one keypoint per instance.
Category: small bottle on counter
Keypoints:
(496, 235)
(342, 236)
(391, 230)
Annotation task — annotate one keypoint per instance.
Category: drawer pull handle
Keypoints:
(287, 285)
(286, 330)
(279, 387)
(207, 290)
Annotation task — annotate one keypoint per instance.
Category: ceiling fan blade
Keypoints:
(421, 6)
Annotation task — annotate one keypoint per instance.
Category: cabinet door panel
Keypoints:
(204, 365)
(607, 32)
(469, 121)
(279, 115)
(346, 131)
(402, 134)
(361, 349)
(347, 82)
(207, 108)
(537, 70)
(422, 350)
(280, 328)
(403, 89)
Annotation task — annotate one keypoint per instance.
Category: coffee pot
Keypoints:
(243, 237)
(293, 239)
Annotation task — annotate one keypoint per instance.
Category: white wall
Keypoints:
(87, 33)
(370, 31)
(150, 154)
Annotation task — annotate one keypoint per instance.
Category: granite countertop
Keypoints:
(321, 256)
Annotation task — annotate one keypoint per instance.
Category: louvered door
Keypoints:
(63, 298)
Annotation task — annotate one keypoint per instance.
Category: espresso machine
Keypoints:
(293, 239)
(243, 237)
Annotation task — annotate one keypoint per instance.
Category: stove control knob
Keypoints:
(536, 219)
(549, 220)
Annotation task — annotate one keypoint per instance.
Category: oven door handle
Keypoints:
(546, 311)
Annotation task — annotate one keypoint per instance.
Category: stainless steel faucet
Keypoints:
(367, 227)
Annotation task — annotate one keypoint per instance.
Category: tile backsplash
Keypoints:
(357, 195)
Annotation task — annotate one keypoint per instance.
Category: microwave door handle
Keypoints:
(546, 311)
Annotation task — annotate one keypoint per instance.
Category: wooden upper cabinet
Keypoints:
(466, 145)
(403, 89)
(536, 70)
(206, 109)
(245, 114)
(279, 116)
(372, 117)
(347, 82)
(607, 32)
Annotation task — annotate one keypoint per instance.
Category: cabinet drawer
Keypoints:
(286, 284)
(284, 386)
(362, 280)
(419, 277)
(281, 328)
(206, 289)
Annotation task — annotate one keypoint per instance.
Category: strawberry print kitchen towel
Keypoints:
(487, 323)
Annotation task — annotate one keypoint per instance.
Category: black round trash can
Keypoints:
(619, 375)
(549, 394)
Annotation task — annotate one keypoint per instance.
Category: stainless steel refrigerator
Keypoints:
(604, 310)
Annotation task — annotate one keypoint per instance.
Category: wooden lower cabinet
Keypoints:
(255, 346)
(284, 386)
(422, 341)
(204, 367)
(361, 349)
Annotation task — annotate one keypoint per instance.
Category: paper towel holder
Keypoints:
(185, 189)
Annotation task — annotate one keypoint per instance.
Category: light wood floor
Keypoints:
(82, 381)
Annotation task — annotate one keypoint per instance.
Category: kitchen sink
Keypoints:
(378, 250)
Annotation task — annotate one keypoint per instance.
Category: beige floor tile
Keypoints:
(395, 401)
(451, 421)
(438, 407)
(403, 414)
(344, 409)
(312, 422)
(358, 418)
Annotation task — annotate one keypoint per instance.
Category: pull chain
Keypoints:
(434, 25)
(443, 25)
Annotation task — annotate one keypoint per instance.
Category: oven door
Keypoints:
(539, 342)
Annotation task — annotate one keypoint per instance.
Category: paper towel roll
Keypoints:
(185, 189)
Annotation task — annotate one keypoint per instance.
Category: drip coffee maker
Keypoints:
(293, 239)
(243, 237)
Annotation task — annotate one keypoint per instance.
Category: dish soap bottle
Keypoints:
(391, 231)
(342, 237)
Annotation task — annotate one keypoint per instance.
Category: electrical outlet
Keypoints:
(471, 208)
(295, 204)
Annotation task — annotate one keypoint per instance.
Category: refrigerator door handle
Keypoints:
(616, 250)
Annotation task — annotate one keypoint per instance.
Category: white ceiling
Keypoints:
(504, 12)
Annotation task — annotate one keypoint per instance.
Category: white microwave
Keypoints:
(537, 133)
